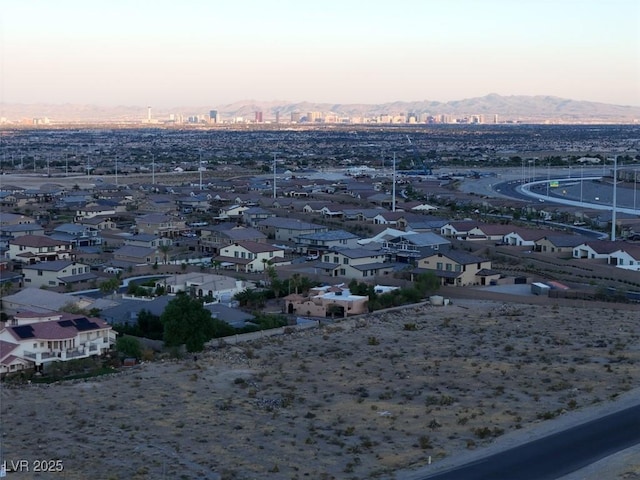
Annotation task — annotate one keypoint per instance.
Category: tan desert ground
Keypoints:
(372, 397)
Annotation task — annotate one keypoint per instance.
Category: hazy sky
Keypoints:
(212, 52)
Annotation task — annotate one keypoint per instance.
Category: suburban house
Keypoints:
(148, 241)
(409, 246)
(334, 300)
(558, 243)
(388, 218)
(131, 256)
(37, 248)
(93, 210)
(77, 235)
(160, 224)
(231, 212)
(7, 218)
(213, 238)
(220, 288)
(254, 215)
(317, 243)
(595, 249)
(458, 268)
(9, 232)
(522, 237)
(31, 340)
(288, 229)
(99, 222)
(489, 231)
(250, 256)
(354, 263)
(627, 257)
(57, 273)
(458, 229)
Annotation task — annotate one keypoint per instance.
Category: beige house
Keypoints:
(458, 268)
(160, 224)
(334, 300)
(7, 218)
(354, 263)
(56, 274)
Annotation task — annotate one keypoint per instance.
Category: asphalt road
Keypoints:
(556, 455)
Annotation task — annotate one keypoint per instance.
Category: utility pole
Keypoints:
(393, 199)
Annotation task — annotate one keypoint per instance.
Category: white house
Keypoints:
(30, 340)
(37, 248)
(218, 287)
(595, 249)
(250, 256)
(627, 257)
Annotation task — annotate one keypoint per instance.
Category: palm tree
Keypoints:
(164, 248)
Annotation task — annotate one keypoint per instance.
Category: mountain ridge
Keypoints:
(535, 108)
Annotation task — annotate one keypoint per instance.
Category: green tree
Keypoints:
(111, 285)
(129, 347)
(187, 322)
(150, 325)
(250, 298)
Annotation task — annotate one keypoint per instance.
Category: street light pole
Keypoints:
(615, 185)
(274, 175)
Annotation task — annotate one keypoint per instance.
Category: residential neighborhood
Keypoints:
(219, 240)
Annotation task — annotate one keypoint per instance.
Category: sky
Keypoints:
(215, 52)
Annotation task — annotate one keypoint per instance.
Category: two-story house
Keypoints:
(77, 235)
(250, 256)
(354, 263)
(56, 274)
(288, 229)
(315, 244)
(161, 225)
(458, 268)
(30, 340)
(37, 248)
(214, 237)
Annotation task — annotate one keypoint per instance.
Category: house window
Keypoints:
(342, 271)
(270, 254)
(39, 273)
(336, 260)
(458, 268)
(448, 268)
(345, 261)
(439, 265)
(35, 345)
(326, 258)
(365, 273)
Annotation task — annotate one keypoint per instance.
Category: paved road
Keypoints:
(556, 455)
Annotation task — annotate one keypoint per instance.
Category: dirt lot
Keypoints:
(362, 398)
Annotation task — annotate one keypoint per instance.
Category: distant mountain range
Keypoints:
(508, 108)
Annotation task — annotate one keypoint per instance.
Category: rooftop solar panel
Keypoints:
(24, 331)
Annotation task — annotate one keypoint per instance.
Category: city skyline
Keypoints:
(204, 53)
